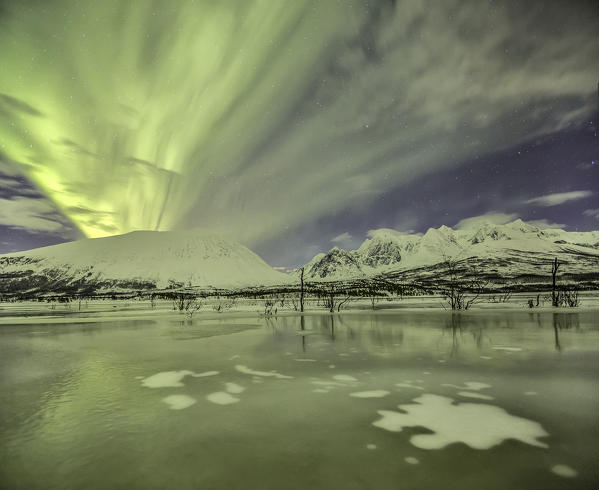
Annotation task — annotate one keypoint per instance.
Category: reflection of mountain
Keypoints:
(138, 260)
(516, 253)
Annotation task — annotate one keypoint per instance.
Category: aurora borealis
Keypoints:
(279, 122)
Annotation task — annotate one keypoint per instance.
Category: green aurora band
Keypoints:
(250, 116)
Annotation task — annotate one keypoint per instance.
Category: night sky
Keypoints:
(294, 126)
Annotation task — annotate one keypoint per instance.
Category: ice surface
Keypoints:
(179, 402)
(477, 425)
(328, 384)
(222, 398)
(370, 394)
(564, 471)
(273, 374)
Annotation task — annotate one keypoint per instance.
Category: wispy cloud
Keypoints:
(492, 217)
(32, 215)
(593, 213)
(343, 238)
(558, 198)
(545, 224)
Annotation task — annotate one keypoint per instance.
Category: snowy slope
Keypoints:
(517, 247)
(140, 259)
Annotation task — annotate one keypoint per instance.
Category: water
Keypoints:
(490, 399)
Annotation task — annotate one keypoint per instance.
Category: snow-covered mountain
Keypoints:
(138, 260)
(510, 250)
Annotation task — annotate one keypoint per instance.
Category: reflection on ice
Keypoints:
(477, 425)
(172, 379)
(179, 402)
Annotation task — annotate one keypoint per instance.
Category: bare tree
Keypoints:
(461, 293)
(302, 290)
(554, 295)
(186, 304)
(333, 302)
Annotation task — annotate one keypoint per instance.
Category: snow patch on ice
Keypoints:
(179, 402)
(371, 446)
(345, 378)
(370, 394)
(477, 425)
(411, 460)
(508, 349)
(564, 471)
(470, 394)
(172, 379)
(408, 385)
(234, 388)
(470, 385)
(328, 384)
(273, 374)
(222, 398)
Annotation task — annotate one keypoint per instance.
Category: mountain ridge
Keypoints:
(388, 251)
(138, 260)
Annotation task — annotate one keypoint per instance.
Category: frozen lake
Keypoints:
(488, 399)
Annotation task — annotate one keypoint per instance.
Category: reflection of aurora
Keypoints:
(228, 115)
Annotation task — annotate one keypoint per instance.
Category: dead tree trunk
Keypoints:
(302, 291)
(554, 268)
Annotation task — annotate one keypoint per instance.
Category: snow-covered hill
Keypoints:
(138, 260)
(512, 250)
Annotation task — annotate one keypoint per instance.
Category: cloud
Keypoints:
(558, 198)
(492, 217)
(593, 213)
(32, 215)
(390, 232)
(344, 237)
